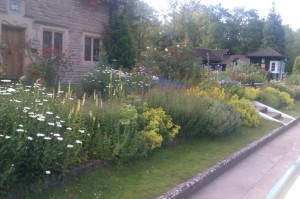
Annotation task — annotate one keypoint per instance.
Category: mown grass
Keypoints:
(159, 172)
(294, 112)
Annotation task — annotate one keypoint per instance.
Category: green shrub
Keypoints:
(247, 111)
(285, 100)
(246, 74)
(34, 138)
(293, 79)
(296, 66)
(45, 133)
(252, 93)
(197, 116)
(283, 87)
(270, 99)
(159, 127)
(233, 88)
(114, 83)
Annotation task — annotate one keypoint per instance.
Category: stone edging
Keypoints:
(187, 188)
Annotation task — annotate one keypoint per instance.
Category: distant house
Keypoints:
(219, 58)
(269, 59)
(72, 26)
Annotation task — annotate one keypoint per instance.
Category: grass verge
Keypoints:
(159, 172)
(294, 112)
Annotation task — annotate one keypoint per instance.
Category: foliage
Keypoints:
(270, 99)
(143, 20)
(247, 111)
(157, 173)
(49, 69)
(197, 116)
(296, 66)
(293, 79)
(110, 83)
(159, 127)
(215, 92)
(175, 62)
(34, 137)
(3, 66)
(45, 133)
(233, 88)
(274, 31)
(244, 107)
(293, 82)
(246, 74)
(283, 87)
(275, 98)
(119, 43)
(248, 26)
(252, 93)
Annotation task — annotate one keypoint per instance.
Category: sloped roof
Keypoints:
(221, 53)
(266, 52)
(206, 54)
(234, 58)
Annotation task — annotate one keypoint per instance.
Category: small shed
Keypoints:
(269, 59)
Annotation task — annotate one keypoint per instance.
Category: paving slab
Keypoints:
(254, 176)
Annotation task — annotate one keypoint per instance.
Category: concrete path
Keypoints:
(253, 177)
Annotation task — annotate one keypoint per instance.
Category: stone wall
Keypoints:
(75, 18)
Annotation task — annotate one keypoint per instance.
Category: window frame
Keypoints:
(53, 49)
(92, 37)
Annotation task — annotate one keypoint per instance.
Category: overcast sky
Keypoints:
(288, 9)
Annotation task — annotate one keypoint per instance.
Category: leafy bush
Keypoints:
(47, 133)
(283, 87)
(246, 74)
(233, 88)
(293, 79)
(48, 68)
(285, 99)
(215, 92)
(270, 99)
(197, 116)
(252, 93)
(112, 83)
(159, 127)
(34, 137)
(247, 111)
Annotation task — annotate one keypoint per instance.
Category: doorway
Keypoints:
(13, 56)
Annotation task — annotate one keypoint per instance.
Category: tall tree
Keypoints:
(145, 24)
(211, 27)
(243, 30)
(119, 43)
(274, 31)
(251, 32)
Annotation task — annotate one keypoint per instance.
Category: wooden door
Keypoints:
(13, 58)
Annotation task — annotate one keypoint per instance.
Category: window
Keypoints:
(273, 67)
(91, 49)
(52, 43)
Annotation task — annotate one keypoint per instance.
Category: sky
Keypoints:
(288, 9)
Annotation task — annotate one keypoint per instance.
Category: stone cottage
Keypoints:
(75, 27)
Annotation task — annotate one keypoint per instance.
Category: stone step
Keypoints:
(285, 120)
(261, 109)
(273, 115)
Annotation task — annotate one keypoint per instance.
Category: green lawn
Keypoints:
(165, 168)
(295, 112)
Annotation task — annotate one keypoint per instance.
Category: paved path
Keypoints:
(253, 177)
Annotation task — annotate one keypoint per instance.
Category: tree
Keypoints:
(144, 21)
(243, 31)
(251, 32)
(119, 43)
(274, 31)
(296, 67)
